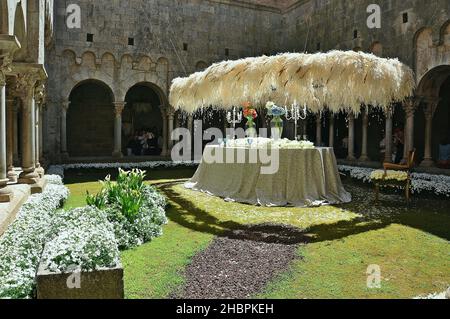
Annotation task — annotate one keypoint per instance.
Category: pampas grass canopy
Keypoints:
(337, 81)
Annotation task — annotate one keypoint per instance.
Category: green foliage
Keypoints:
(127, 194)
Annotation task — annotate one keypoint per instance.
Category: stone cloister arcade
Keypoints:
(25, 29)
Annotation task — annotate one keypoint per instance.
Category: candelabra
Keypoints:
(296, 115)
(234, 118)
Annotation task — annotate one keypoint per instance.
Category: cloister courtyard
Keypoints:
(224, 149)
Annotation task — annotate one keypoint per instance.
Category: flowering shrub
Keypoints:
(136, 210)
(389, 175)
(420, 182)
(22, 244)
(84, 238)
(59, 169)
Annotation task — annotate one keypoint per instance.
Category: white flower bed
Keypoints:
(59, 169)
(420, 182)
(22, 244)
(84, 240)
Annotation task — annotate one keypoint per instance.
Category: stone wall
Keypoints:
(171, 38)
(176, 38)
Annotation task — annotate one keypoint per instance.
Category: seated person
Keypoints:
(444, 154)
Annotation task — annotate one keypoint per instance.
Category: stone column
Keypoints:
(410, 108)
(319, 130)
(5, 192)
(331, 137)
(118, 109)
(365, 128)
(10, 113)
(351, 137)
(429, 110)
(64, 109)
(26, 84)
(15, 111)
(164, 151)
(39, 97)
(170, 118)
(388, 155)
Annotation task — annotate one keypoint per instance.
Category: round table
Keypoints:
(305, 177)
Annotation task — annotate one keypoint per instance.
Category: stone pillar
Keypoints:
(5, 192)
(365, 128)
(10, 113)
(410, 108)
(429, 110)
(319, 130)
(26, 84)
(64, 109)
(118, 109)
(388, 155)
(16, 131)
(164, 151)
(170, 118)
(39, 101)
(351, 137)
(331, 137)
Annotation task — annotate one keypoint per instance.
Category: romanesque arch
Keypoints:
(434, 91)
(90, 120)
(145, 104)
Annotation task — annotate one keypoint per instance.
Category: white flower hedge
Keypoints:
(59, 169)
(84, 240)
(22, 244)
(420, 182)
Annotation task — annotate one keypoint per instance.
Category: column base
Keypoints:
(428, 162)
(364, 158)
(351, 158)
(12, 176)
(117, 154)
(29, 177)
(40, 171)
(6, 194)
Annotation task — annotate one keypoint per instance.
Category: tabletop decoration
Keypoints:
(277, 122)
(250, 114)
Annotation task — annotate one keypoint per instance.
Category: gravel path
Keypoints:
(241, 263)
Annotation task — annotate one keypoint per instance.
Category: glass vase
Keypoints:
(276, 127)
(250, 128)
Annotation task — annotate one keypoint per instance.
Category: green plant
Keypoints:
(126, 194)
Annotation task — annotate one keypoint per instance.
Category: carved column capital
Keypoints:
(430, 105)
(40, 95)
(25, 84)
(5, 67)
(118, 108)
(410, 106)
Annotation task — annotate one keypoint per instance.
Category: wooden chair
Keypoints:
(408, 166)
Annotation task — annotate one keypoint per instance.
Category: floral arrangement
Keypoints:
(273, 110)
(21, 245)
(288, 144)
(261, 142)
(249, 112)
(277, 123)
(136, 210)
(84, 240)
(389, 175)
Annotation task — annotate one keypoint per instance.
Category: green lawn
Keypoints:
(411, 246)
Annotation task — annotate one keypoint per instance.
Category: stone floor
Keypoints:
(8, 211)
